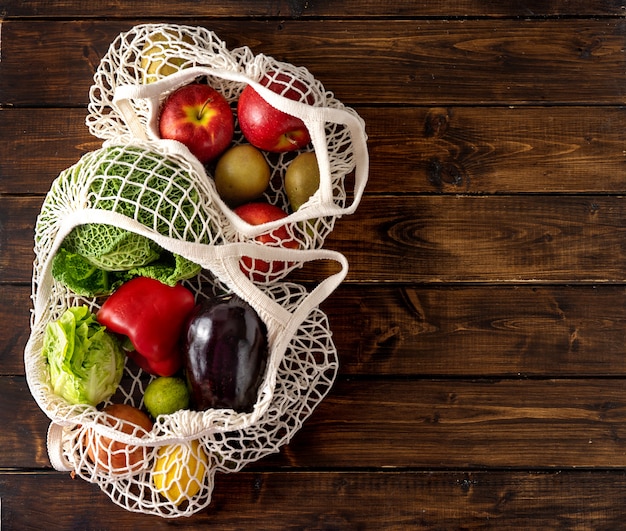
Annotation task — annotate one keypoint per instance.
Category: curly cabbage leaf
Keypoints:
(111, 248)
(170, 269)
(146, 186)
(80, 275)
(85, 361)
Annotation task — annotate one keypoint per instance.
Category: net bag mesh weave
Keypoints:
(155, 190)
(186, 448)
(129, 90)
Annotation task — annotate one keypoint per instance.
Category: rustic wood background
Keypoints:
(481, 328)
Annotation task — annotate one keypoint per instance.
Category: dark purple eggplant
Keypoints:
(225, 351)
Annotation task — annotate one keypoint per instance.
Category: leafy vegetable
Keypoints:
(169, 269)
(135, 182)
(96, 258)
(111, 248)
(85, 361)
(80, 275)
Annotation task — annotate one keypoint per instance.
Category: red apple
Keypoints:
(199, 117)
(264, 126)
(256, 214)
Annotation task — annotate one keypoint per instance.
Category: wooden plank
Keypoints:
(430, 62)
(15, 319)
(490, 331)
(17, 223)
(412, 150)
(525, 424)
(484, 239)
(513, 239)
(360, 500)
(304, 9)
(24, 425)
(496, 149)
(418, 331)
(35, 146)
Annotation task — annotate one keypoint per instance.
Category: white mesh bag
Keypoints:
(182, 451)
(127, 93)
(145, 189)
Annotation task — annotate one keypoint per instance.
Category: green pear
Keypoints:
(156, 58)
(302, 179)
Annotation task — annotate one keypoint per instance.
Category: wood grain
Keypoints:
(412, 150)
(15, 319)
(474, 331)
(493, 423)
(495, 149)
(303, 8)
(379, 423)
(432, 62)
(37, 145)
(18, 215)
(360, 500)
(485, 239)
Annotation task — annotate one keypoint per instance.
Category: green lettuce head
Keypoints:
(85, 361)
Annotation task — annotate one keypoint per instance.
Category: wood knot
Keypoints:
(590, 49)
(298, 7)
(436, 122)
(466, 484)
(445, 174)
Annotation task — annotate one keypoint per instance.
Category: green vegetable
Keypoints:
(169, 269)
(134, 182)
(96, 258)
(82, 277)
(111, 248)
(85, 361)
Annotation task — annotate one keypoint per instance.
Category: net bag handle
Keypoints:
(314, 118)
(54, 441)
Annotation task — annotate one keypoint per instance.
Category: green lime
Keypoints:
(165, 395)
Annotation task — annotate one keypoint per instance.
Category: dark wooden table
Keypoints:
(482, 327)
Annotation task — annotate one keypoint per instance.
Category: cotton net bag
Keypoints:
(182, 452)
(128, 91)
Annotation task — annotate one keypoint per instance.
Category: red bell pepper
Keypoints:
(151, 315)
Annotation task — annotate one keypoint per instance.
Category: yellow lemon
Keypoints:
(179, 471)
